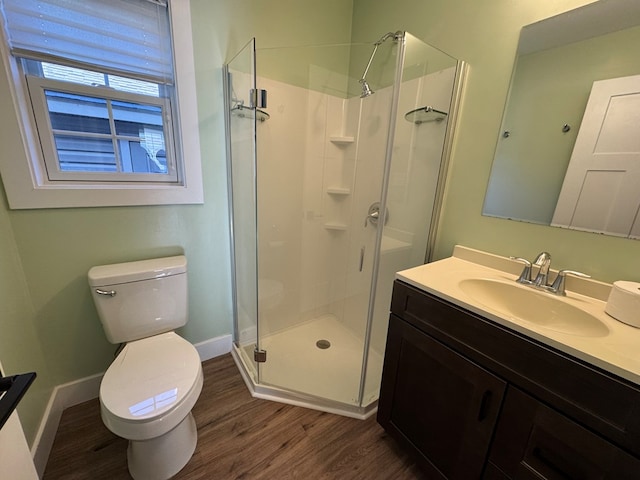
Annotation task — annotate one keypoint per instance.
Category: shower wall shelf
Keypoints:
(248, 112)
(338, 191)
(340, 227)
(341, 140)
(424, 115)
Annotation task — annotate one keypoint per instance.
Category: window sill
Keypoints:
(69, 196)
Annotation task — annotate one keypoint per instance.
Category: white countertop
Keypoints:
(618, 352)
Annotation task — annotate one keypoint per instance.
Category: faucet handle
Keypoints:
(525, 276)
(559, 283)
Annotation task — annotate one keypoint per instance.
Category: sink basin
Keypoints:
(532, 306)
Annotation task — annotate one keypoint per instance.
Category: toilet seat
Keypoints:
(151, 386)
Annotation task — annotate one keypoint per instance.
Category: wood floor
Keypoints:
(239, 437)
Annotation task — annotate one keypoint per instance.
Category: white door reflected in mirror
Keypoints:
(557, 62)
(600, 189)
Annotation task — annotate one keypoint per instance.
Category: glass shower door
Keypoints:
(240, 83)
(425, 102)
(320, 168)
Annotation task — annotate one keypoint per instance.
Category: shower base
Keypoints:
(301, 369)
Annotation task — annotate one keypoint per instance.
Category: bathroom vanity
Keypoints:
(477, 392)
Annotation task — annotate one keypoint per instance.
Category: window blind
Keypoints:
(115, 36)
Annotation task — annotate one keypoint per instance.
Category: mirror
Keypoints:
(566, 154)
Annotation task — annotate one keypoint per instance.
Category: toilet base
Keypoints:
(162, 457)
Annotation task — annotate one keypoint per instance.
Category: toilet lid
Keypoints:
(149, 377)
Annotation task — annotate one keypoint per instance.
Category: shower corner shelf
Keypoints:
(341, 139)
(424, 115)
(338, 191)
(248, 112)
(338, 227)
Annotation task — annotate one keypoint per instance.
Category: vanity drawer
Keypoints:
(590, 396)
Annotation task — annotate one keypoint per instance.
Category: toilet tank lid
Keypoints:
(135, 271)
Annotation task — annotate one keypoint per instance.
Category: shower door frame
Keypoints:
(227, 100)
(400, 39)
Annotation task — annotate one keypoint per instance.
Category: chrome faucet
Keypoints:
(543, 260)
(541, 282)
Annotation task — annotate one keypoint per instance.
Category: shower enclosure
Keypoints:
(337, 155)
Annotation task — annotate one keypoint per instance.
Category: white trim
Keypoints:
(214, 347)
(79, 391)
(63, 396)
(27, 188)
(38, 86)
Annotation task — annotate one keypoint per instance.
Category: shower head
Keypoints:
(366, 89)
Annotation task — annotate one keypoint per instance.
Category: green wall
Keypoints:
(49, 323)
(20, 350)
(485, 34)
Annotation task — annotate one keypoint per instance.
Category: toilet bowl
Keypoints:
(147, 393)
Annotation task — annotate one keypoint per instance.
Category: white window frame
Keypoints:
(37, 88)
(25, 179)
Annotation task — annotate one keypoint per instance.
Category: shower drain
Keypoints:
(323, 344)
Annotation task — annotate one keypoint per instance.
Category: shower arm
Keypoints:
(383, 39)
(373, 54)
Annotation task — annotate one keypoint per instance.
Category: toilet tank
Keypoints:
(140, 299)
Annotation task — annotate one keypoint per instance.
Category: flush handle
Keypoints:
(110, 293)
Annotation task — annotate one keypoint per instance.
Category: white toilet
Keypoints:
(147, 393)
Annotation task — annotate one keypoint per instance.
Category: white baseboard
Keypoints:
(63, 396)
(88, 388)
(214, 347)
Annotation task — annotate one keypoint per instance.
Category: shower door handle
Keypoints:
(258, 98)
(361, 258)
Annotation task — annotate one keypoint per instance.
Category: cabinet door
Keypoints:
(534, 441)
(437, 403)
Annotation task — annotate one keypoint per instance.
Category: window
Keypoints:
(93, 130)
(95, 89)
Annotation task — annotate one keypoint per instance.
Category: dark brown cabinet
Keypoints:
(472, 399)
(441, 404)
(534, 441)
